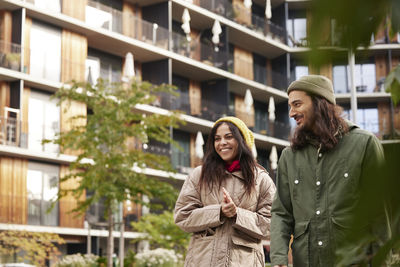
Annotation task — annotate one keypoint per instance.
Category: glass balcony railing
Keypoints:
(244, 17)
(102, 16)
(262, 125)
(10, 55)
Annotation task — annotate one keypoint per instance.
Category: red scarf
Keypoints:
(235, 166)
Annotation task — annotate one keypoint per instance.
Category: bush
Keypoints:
(159, 257)
(78, 260)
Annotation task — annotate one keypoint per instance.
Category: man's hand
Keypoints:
(228, 207)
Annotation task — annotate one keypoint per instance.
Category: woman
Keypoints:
(226, 202)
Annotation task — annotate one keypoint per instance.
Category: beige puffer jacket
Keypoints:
(222, 241)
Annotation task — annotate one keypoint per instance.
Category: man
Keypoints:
(319, 176)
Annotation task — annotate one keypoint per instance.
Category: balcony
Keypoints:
(126, 24)
(10, 132)
(10, 55)
(244, 16)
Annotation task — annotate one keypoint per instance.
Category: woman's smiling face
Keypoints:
(225, 143)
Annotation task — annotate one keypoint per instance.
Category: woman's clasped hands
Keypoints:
(228, 207)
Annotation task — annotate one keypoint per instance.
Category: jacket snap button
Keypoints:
(296, 181)
(346, 175)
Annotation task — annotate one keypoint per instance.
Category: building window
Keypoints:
(367, 118)
(296, 27)
(43, 121)
(259, 68)
(105, 66)
(300, 71)
(260, 117)
(45, 57)
(181, 102)
(181, 156)
(92, 69)
(42, 187)
(364, 78)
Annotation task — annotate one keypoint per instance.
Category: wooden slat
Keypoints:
(396, 119)
(25, 111)
(380, 68)
(384, 118)
(243, 65)
(6, 26)
(68, 203)
(380, 36)
(241, 14)
(241, 113)
(74, 8)
(195, 53)
(195, 97)
(4, 97)
(131, 20)
(69, 110)
(27, 42)
(73, 54)
(13, 192)
(194, 160)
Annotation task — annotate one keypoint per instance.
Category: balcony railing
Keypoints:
(245, 17)
(264, 126)
(10, 132)
(10, 55)
(123, 23)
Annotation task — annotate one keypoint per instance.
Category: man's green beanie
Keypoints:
(314, 84)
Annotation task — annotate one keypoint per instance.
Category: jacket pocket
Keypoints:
(201, 253)
(300, 245)
(247, 241)
(339, 230)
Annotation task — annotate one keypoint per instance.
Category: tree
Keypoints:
(161, 232)
(36, 247)
(355, 21)
(107, 164)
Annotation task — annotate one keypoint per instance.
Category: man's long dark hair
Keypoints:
(213, 169)
(328, 126)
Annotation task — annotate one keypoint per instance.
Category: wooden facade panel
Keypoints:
(396, 119)
(68, 111)
(395, 62)
(6, 26)
(195, 52)
(325, 70)
(131, 20)
(243, 63)
(241, 113)
(75, 8)
(27, 42)
(380, 35)
(25, 110)
(69, 202)
(384, 118)
(132, 211)
(241, 13)
(195, 97)
(73, 55)
(194, 160)
(13, 191)
(4, 102)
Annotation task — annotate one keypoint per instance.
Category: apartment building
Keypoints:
(226, 58)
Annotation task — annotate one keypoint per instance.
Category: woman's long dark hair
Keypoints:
(213, 169)
(328, 126)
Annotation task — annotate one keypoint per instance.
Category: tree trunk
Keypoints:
(110, 240)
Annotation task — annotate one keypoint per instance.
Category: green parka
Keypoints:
(316, 193)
